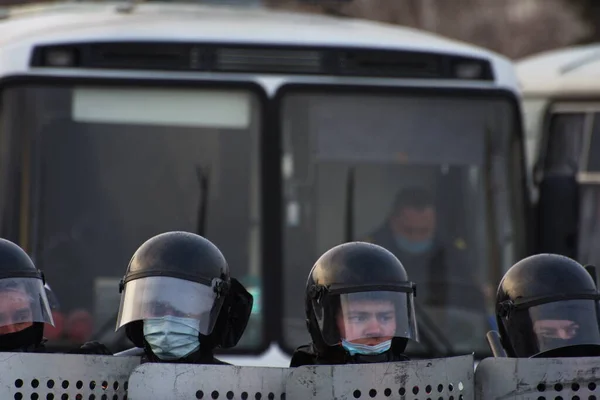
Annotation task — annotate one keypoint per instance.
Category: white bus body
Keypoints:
(61, 27)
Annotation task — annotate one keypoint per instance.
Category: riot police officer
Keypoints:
(24, 307)
(547, 306)
(178, 301)
(359, 307)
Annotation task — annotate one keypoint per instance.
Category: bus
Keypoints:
(561, 100)
(277, 135)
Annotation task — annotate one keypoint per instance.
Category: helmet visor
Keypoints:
(554, 325)
(22, 302)
(159, 296)
(366, 317)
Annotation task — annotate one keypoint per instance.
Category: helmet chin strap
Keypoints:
(371, 358)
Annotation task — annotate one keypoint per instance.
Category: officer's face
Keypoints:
(414, 224)
(367, 321)
(555, 329)
(161, 309)
(15, 311)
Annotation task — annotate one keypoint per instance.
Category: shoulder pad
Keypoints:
(303, 356)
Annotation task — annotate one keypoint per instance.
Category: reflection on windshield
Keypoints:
(103, 184)
(422, 189)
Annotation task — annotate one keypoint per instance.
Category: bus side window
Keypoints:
(564, 143)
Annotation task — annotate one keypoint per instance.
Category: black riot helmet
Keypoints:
(183, 275)
(357, 292)
(24, 307)
(547, 306)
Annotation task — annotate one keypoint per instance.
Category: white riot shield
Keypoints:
(541, 378)
(210, 382)
(64, 376)
(437, 379)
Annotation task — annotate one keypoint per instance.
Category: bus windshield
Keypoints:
(103, 169)
(434, 179)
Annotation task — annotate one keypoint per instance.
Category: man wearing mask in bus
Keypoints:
(410, 234)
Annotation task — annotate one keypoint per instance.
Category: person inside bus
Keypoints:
(359, 308)
(547, 306)
(178, 301)
(410, 233)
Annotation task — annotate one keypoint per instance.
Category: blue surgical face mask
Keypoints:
(365, 349)
(172, 338)
(413, 247)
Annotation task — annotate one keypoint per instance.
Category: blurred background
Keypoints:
(89, 219)
(514, 28)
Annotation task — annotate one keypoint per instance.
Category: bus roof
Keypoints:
(183, 22)
(570, 71)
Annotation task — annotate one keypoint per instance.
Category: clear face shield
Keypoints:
(549, 326)
(52, 299)
(23, 301)
(166, 297)
(367, 316)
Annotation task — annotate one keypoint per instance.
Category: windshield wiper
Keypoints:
(349, 222)
(36, 245)
(203, 182)
(432, 335)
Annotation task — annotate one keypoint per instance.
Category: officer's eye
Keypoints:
(416, 231)
(156, 308)
(160, 309)
(357, 318)
(386, 318)
(572, 329)
(548, 332)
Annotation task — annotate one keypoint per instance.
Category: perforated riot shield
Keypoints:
(64, 376)
(538, 379)
(188, 381)
(437, 379)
